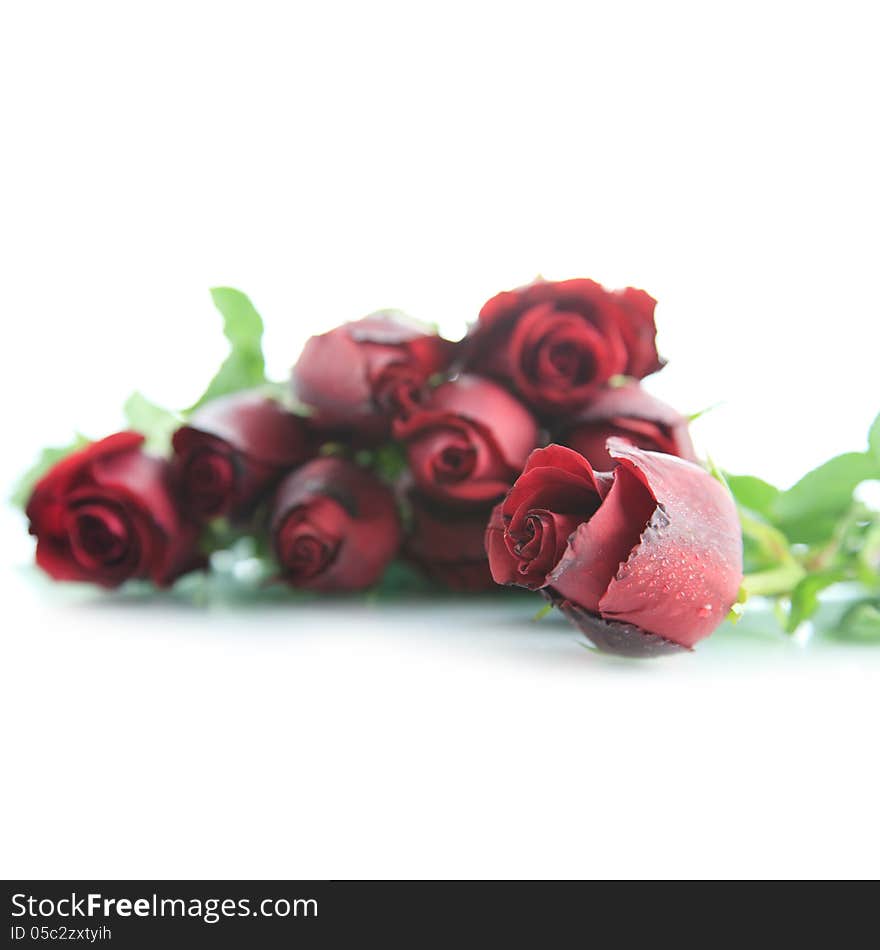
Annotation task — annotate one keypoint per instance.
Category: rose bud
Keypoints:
(334, 526)
(356, 377)
(557, 343)
(448, 546)
(644, 560)
(468, 442)
(232, 451)
(629, 413)
(106, 514)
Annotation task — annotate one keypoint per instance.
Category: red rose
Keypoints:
(334, 526)
(106, 514)
(644, 560)
(556, 344)
(630, 413)
(359, 375)
(468, 442)
(448, 545)
(233, 450)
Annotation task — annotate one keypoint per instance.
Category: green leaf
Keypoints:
(245, 367)
(543, 612)
(716, 472)
(242, 325)
(21, 493)
(868, 556)
(753, 493)
(692, 417)
(874, 440)
(218, 535)
(390, 461)
(805, 597)
(809, 510)
(861, 623)
(153, 422)
(402, 579)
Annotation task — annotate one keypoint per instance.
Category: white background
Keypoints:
(334, 158)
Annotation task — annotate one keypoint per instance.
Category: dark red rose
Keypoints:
(557, 343)
(234, 450)
(629, 413)
(449, 545)
(468, 442)
(644, 560)
(106, 514)
(356, 377)
(334, 526)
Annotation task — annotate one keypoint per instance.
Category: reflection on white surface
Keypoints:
(156, 736)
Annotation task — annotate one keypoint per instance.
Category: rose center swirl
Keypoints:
(100, 535)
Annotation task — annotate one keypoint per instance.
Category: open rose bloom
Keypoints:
(468, 442)
(556, 344)
(107, 514)
(645, 560)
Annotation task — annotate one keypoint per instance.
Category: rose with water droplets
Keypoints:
(645, 559)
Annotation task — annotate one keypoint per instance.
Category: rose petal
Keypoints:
(141, 478)
(448, 546)
(612, 636)
(560, 457)
(331, 374)
(684, 575)
(504, 567)
(629, 412)
(253, 425)
(550, 488)
(639, 332)
(58, 480)
(600, 546)
(509, 424)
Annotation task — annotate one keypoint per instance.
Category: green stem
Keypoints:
(772, 541)
(775, 581)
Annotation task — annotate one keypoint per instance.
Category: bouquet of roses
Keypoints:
(526, 454)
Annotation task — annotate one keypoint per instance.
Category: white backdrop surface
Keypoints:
(335, 159)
